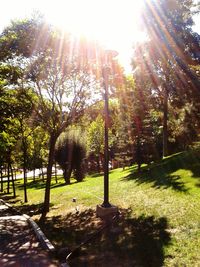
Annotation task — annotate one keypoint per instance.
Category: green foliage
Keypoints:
(16, 108)
(39, 154)
(95, 136)
(139, 128)
(60, 72)
(9, 74)
(20, 38)
(70, 155)
(162, 67)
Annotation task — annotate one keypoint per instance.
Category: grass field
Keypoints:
(159, 223)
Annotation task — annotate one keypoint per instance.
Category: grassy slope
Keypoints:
(161, 217)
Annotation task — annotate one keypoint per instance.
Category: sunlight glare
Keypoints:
(112, 23)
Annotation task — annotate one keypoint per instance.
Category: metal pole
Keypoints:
(106, 151)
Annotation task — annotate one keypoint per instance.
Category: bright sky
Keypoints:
(112, 22)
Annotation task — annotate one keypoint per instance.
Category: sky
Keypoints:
(112, 22)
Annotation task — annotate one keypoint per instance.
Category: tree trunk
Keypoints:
(34, 174)
(5, 170)
(98, 164)
(42, 174)
(53, 139)
(24, 170)
(56, 177)
(13, 182)
(139, 154)
(25, 189)
(8, 181)
(1, 172)
(67, 174)
(165, 124)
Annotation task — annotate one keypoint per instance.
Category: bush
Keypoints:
(70, 155)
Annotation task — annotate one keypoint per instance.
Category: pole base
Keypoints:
(106, 212)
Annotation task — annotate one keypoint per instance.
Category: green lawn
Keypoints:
(159, 223)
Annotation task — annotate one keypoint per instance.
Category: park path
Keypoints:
(19, 246)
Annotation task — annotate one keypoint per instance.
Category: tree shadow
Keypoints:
(33, 184)
(158, 178)
(64, 184)
(29, 209)
(189, 160)
(19, 245)
(33, 209)
(195, 168)
(95, 175)
(128, 241)
(39, 184)
(160, 174)
(9, 197)
(59, 185)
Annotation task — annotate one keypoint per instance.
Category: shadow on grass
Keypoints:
(161, 174)
(33, 209)
(128, 241)
(158, 178)
(64, 184)
(9, 198)
(38, 184)
(95, 175)
(189, 160)
(20, 208)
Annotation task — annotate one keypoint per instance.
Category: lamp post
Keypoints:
(106, 203)
(106, 209)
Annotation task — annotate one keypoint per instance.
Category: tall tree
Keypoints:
(166, 56)
(8, 125)
(63, 83)
(63, 72)
(139, 133)
(95, 140)
(24, 105)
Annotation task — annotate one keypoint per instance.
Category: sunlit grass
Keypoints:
(167, 190)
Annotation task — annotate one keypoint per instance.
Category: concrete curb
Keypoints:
(40, 235)
(46, 244)
(10, 206)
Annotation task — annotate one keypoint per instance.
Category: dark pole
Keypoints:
(105, 210)
(106, 203)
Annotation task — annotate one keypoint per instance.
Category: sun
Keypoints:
(113, 23)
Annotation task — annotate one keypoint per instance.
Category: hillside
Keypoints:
(159, 221)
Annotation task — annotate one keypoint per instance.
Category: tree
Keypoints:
(63, 84)
(38, 158)
(95, 140)
(138, 133)
(92, 124)
(24, 106)
(23, 38)
(7, 137)
(166, 56)
(17, 106)
(70, 155)
(62, 71)
(8, 125)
